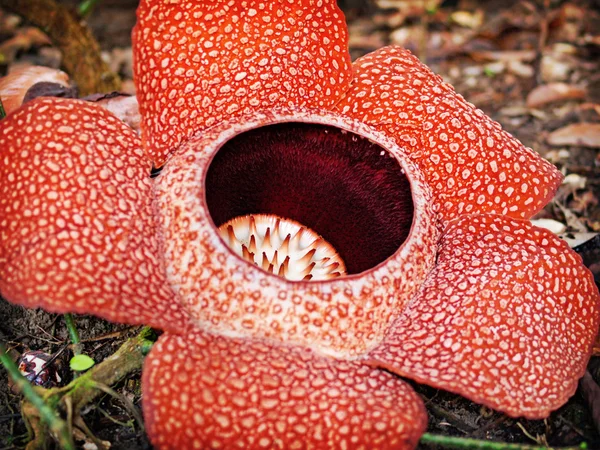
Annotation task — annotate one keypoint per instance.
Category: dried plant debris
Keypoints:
(582, 134)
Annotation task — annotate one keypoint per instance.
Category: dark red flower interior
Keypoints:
(346, 188)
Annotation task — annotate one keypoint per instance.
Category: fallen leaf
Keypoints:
(468, 19)
(550, 224)
(125, 107)
(572, 220)
(558, 63)
(554, 92)
(15, 85)
(590, 107)
(410, 7)
(583, 134)
(575, 181)
(24, 39)
(506, 56)
(520, 69)
(577, 239)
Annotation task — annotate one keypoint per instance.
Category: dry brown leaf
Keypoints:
(590, 107)
(553, 92)
(506, 56)
(14, 86)
(125, 107)
(550, 224)
(520, 69)
(24, 39)
(583, 134)
(468, 19)
(591, 40)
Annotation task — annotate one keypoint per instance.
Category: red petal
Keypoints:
(206, 391)
(197, 62)
(471, 164)
(507, 318)
(76, 226)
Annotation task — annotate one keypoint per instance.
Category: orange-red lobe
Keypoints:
(77, 231)
(199, 62)
(470, 163)
(204, 391)
(507, 318)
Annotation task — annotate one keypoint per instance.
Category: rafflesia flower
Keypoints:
(315, 222)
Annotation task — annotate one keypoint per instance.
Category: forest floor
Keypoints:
(534, 66)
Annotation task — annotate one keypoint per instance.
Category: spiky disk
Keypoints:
(283, 247)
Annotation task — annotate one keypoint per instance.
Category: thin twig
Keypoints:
(126, 402)
(113, 335)
(542, 39)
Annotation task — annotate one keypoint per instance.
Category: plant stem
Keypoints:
(73, 333)
(2, 111)
(477, 444)
(86, 7)
(127, 359)
(47, 415)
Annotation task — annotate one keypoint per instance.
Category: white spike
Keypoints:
(301, 255)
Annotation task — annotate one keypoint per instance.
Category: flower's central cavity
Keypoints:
(344, 188)
(283, 247)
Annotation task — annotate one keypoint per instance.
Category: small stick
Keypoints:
(126, 402)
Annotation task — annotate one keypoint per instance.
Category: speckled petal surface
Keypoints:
(198, 62)
(226, 294)
(203, 391)
(471, 164)
(507, 318)
(77, 231)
